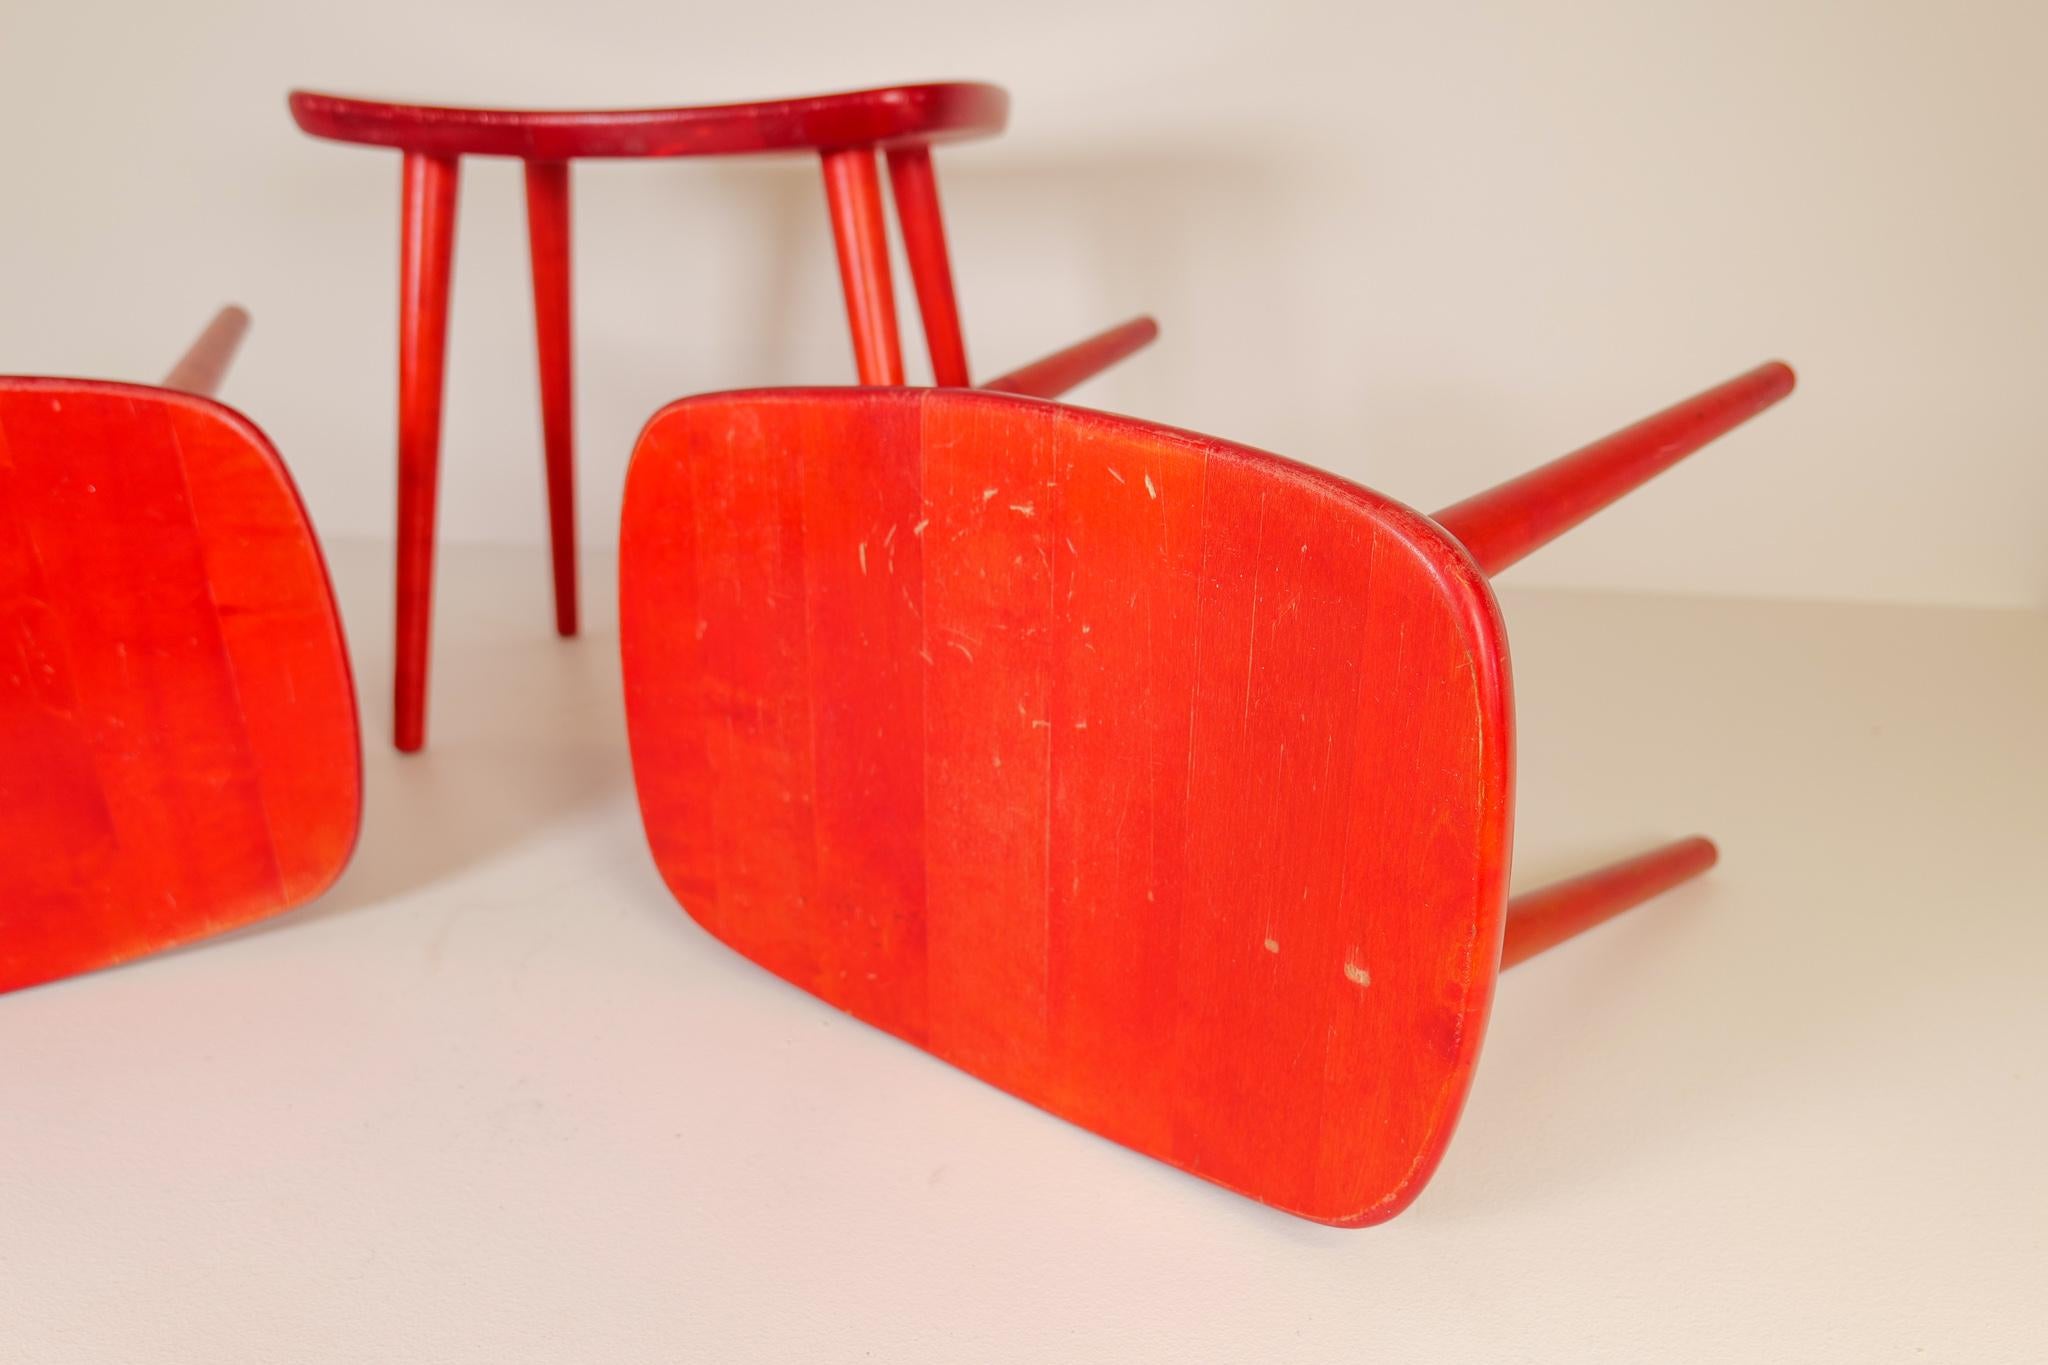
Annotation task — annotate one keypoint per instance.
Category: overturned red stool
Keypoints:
(1161, 782)
(844, 130)
(178, 743)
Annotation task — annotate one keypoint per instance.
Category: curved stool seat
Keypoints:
(858, 118)
(845, 130)
(1161, 782)
(179, 752)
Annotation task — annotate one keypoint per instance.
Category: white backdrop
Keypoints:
(1422, 245)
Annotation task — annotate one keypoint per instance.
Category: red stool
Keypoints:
(178, 743)
(1161, 782)
(845, 130)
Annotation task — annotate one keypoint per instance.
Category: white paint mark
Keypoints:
(987, 493)
(1080, 725)
(863, 556)
(1024, 509)
(1113, 474)
(1085, 627)
(1356, 973)
(1149, 488)
(1272, 945)
(918, 529)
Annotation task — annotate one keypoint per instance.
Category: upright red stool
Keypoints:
(178, 742)
(1161, 782)
(845, 130)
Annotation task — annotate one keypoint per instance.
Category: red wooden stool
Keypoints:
(1161, 782)
(178, 742)
(845, 130)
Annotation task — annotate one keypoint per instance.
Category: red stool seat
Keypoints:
(859, 118)
(178, 743)
(1161, 782)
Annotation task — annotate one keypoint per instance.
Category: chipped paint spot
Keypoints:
(1356, 974)
(987, 493)
(863, 556)
(965, 652)
(1149, 488)
(1113, 474)
(1024, 509)
(1272, 945)
(918, 529)
(892, 535)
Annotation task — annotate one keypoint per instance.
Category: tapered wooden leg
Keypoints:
(1062, 370)
(854, 191)
(931, 270)
(1545, 918)
(427, 247)
(547, 225)
(1506, 522)
(205, 362)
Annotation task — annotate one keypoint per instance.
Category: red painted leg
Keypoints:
(1060, 371)
(427, 248)
(1543, 919)
(205, 362)
(1505, 523)
(547, 224)
(854, 191)
(924, 242)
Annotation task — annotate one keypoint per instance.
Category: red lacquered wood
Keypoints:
(547, 221)
(1062, 370)
(426, 253)
(931, 269)
(1158, 781)
(1508, 521)
(858, 118)
(1161, 782)
(205, 362)
(178, 743)
(1542, 919)
(853, 191)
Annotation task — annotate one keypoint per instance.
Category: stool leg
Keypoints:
(854, 192)
(547, 225)
(1509, 520)
(1542, 919)
(205, 362)
(427, 246)
(1053, 375)
(924, 242)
